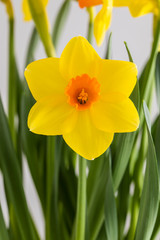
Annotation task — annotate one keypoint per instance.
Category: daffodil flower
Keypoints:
(139, 8)
(26, 9)
(82, 97)
(103, 19)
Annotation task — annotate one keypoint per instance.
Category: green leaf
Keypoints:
(60, 21)
(157, 76)
(146, 81)
(123, 143)
(150, 194)
(123, 202)
(53, 219)
(32, 46)
(33, 146)
(128, 51)
(102, 233)
(3, 228)
(111, 223)
(157, 141)
(12, 179)
(68, 195)
(96, 183)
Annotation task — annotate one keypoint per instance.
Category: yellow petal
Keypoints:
(44, 79)
(112, 97)
(121, 3)
(115, 117)
(26, 10)
(86, 140)
(117, 76)
(77, 58)
(102, 23)
(141, 7)
(52, 116)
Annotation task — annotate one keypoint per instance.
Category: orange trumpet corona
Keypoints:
(82, 91)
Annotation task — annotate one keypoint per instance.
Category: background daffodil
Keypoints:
(82, 97)
(139, 8)
(103, 19)
(26, 9)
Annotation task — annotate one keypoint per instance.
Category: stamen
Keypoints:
(83, 97)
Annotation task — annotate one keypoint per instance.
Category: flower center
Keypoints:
(82, 91)
(83, 97)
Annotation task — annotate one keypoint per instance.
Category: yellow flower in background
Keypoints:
(103, 19)
(26, 9)
(82, 97)
(9, 8)
(141, 7)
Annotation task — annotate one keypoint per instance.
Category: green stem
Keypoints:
(90, 24)
(12, 83)
(81, 201)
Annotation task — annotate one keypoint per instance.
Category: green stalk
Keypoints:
(81, 200)
(40, 18)
(90, 24)
(12, 82)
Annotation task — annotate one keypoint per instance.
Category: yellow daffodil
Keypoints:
(9, 8)
(139, 8)
(26, 9)
(103, 19)
(82, 97)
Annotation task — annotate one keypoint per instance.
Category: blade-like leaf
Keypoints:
(60, 21)
(12, 179)
(129, 54)
(150, 193)
(32, 46)
(157, 142)
(33, 146)
(147, 78)
(157, 76)
(3, 228)
(53, 219)
(96, 183)
(123, 144)
(111, 224)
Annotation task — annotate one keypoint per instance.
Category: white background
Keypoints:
(137, 32)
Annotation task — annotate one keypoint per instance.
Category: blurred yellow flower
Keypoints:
(82, 97)
(9, 8)
(141, 7)
(26, 9)
(103, 19)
